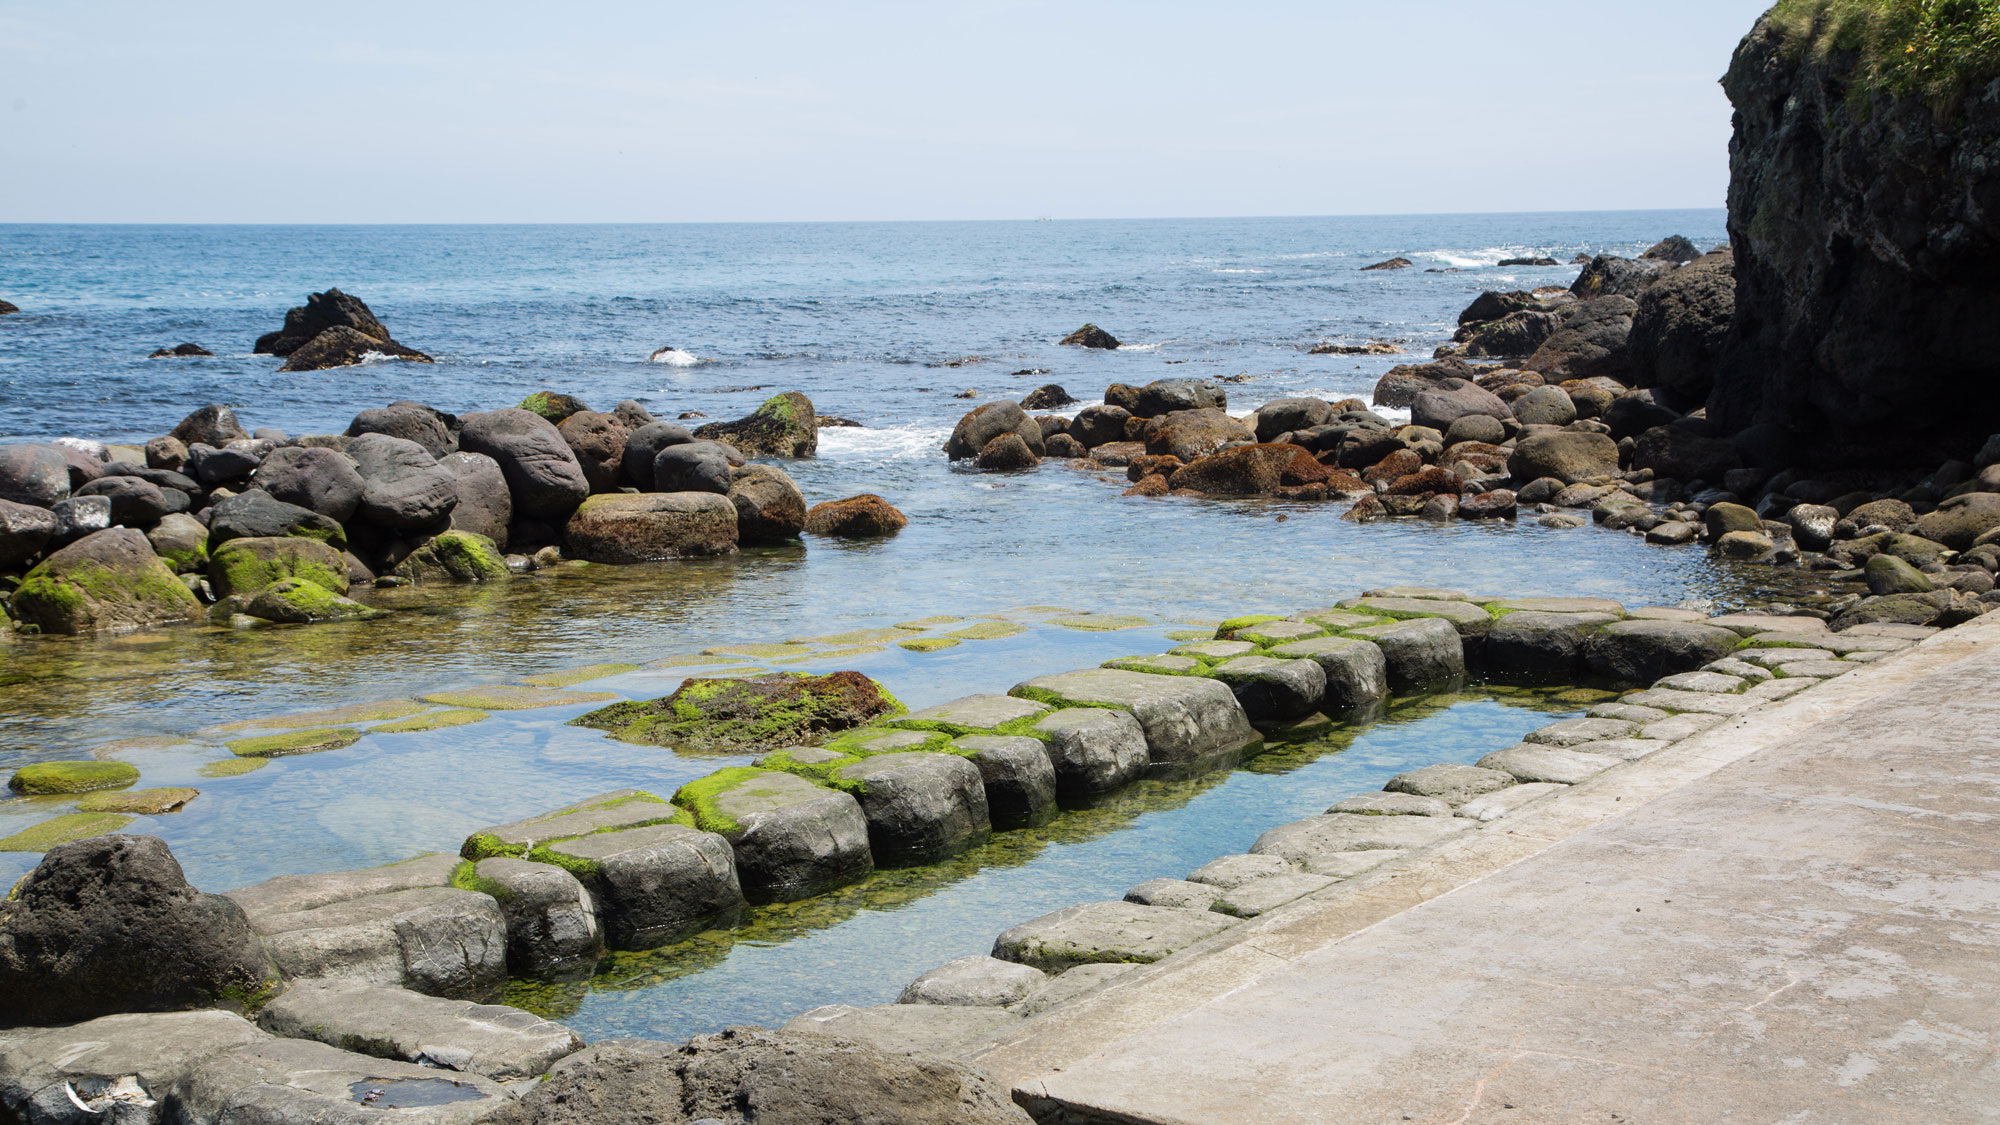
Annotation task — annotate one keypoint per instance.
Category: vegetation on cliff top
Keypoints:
(1936, 49)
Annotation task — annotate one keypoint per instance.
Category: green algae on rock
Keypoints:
(832, 654)
(64, 829)
(748, 714)
(295, 601)
(570, 677)
(1101, 622)
(43, 778)
(693, 660)
(245, 566)
(929, 644)
(855, 637)
(502, 697)
(553, 405)
(929, 622)
(107, 581)
(433, 720)
(139, 802)
(606, 812)
(453, 556)
(988, 631)
(760, 651)
(330, 717)
(234, 767)
(785, 425)
(294, 742)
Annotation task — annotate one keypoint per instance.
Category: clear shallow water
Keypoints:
(850, 314)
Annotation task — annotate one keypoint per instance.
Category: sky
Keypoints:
(419, 111)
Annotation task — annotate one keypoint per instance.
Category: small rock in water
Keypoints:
(180, 350)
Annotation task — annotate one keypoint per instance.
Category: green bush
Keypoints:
(1933, 49)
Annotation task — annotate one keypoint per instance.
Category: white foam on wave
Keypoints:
(674, 357)
(1467, 260)
(1153, 347)
(886, 443)
(369, 357)
(1236, 271)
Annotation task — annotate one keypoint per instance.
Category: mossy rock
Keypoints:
(870, 741)
(855, 637)
(433, 720)
(553, 405)
(1191, 634)
(105, 582)
(245, 566)
(570, 677)
(1101, 622)
(785, 425)
(988, 631)
(929, 644)
(1037, 612)
(1227, 630)
(43, 778)
(294, 742)
(1165, 664)
(64, 829)
(704, 797)
(138, 802)
(234, 767)
(929, 622)
(832, 654)
(330, 717)
(759, 651)
(295, 601)
(743, 715)
(694, 660)
(608, 812)
(454, 556)
(810, 762)
(501, 697)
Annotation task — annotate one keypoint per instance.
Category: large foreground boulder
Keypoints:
(769, 506)
(1567, 456)
(1445, 402)
(33, 473)
(110, 924)
(542, 474)
(107, 581)
(784, 426)
(746, 1075)
(403, 486)
(624, 528)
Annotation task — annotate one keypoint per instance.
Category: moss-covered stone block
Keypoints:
(1101, 622)
(43, 778)
(502, 697)
(234, 767)
(569, 677)
(245, 566)
(138, 802)
(328, 717)
(988, 631)
(1227, 629)
(747, 714)
(929, 644)
(433, 720)
(294, 742)
(454, 556)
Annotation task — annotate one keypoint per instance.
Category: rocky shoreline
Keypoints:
(361, 973)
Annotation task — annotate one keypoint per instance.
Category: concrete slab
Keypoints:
(1106, 931)
(1793, 916)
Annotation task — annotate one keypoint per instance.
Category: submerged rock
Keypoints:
(857, 517)
(747, 714)
(619, 528)
(346, 347)
(1089, 336)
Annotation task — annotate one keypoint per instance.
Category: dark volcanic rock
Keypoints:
(1679, 329)
(257, 514)
(1090, 336)
(1401, 385)
(598, 441)
(403, 487)
(211, 425)
(643, 445)
(179, 350)
(484, 507)
(110, 924)
(322, 480)
(1441, 405)
(411, 421)
(1673, 249)
(857, 517)
(345, 347)
(1608, 275)
(134, 502)
(24, 530)
(33, 473)
(985, 423)
(783, 426)
(1865, 226)
(542, 473)
(1391, 264)
(1590, 341)
(1046, 397)
(331, 309)
(1164, 396)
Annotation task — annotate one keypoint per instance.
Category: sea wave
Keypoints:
(886, 443)
(1468, 259)
(1237, 271)
(674, 357)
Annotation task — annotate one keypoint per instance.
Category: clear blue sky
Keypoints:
(417, 111)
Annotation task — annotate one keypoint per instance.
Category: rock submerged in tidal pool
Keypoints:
(857, 517)
(619, 528)
(1090, 336)
(741, 715)
(109, 580)
(180, 350)
(769, 506)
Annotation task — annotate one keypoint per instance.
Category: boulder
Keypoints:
(1887, 574)
(24, 531)
(784, 426)
(296, 1081)
(697, 466)
(1537, 647)
(1007, 453)
(33, 473)
(1514, 336)
(597, 441)
(1443, 403)
(1420, 654)
(1283, 415)
(619, 528)
(1019, 776)
(411, 421)
(1090, 336)
(1567, 456)
(1166, 396)
(1673, 249)
(978, 981)
(1099, 425)
(653, 884)
(403, 487)
(745, 714)
(1635, 412)
(395, 1023)
(1249, 470)
(1357, 674)
(1049, 396)
(1639, 652)
(110, 924)
(1591, 341)
(1448, 782)
(769, 506)
(166, 452)
(213, 424)
(134, 502)
(920, 807)
(1189, 722)
(792, 839)
(542, 474)
(320, 312)
(745, 1074)
(1890, 514)
(107, 581)
(1273, 690)
(79, 516)
(295, 601)
(484, 507)
(1110, 931)
(983, 424)
(453, 556)
(1189, 434)
(1679, 328)
(553, 405)
(1390, 264)
(341, 346)
(125, 1067)
(1482, 428)
(643, 445)
(1545, 406)
(245, 566)
(319, 480)
(857, 517)
(1961, 520)
(551, 920)
(1609, 275)
(1093, 750)
(257, 514)
(1401, 385)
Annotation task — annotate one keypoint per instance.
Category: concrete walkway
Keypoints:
(1793, 917)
